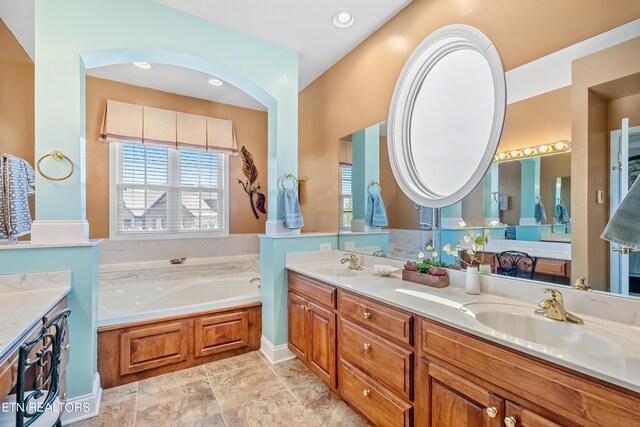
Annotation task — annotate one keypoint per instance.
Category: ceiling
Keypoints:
(173, 79)
(301, 25)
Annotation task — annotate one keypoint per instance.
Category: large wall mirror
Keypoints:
(532, 198)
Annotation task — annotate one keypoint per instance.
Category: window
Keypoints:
(159, 192)
(346, 201)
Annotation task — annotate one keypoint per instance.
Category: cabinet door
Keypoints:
(456, 401)
(517, 416)
(298, 341)
(321, 335)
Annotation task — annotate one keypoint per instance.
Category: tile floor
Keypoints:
(245, 390)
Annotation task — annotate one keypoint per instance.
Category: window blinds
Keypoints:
(124, 122)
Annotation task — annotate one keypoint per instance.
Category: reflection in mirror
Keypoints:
(375, 216)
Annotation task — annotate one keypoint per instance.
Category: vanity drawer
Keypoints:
(563, 392)
(386, 362)
(315, 290)
(372, 399)
(552, 267)
(395, 324)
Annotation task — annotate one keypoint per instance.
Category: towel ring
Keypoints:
(372, 183)
(55, 155)
(288, 176)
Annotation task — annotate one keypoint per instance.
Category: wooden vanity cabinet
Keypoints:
(312, 326)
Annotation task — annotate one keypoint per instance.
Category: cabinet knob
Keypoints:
(366, 346)
(510, 422)
(304, 307)
(366, 392)
(492, 412)
(366, 315)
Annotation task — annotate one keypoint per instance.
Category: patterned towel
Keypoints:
(17, 180)
(503, 203)
(428, 217)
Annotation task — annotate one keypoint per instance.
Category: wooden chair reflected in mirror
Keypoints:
(516, 264)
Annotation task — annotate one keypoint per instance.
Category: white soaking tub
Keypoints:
(166, 298)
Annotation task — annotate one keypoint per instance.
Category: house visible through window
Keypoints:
(160, 191)
(346, 200)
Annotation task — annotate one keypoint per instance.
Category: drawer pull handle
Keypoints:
(366, 393)
(366, 315)
(510, 422)
(367, 346)
(492, 412)
(304, 307)
(65, 347)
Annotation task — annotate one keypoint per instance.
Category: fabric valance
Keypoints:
(124, 122)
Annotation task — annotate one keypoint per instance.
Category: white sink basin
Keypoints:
(338, 271)
(520, 323)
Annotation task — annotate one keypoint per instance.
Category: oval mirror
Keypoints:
(446, 116)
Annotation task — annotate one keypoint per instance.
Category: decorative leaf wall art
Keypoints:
(251, 173)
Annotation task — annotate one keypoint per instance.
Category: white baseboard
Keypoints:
(277, 228)
(275, 354)
(84, 407)
(45, 232)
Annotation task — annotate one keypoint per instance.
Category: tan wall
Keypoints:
(251, 131)
(592, 78)
(552, 167)
(357, 90)
(626, 107)
(16, 100)
(509, 183)
(542, 119)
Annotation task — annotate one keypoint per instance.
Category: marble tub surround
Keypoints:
(156, 271)
(128, 251)
(618, 315)
(25, 299)
(239, 391)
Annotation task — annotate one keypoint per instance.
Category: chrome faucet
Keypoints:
(256, 280)
(379, 254)
(353, 262)
(553, 308)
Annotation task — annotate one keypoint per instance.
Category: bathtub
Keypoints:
(164, 299)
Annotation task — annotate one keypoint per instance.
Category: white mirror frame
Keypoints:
(446, 40)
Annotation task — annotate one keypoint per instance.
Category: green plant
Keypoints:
(477, 245)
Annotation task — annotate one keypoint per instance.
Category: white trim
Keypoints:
(553, 71)
(275, 354)
(114, 170)
(277, 228)
(59, 232)
(92, 400)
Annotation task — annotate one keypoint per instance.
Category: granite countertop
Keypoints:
(447, 306)
(24, 300)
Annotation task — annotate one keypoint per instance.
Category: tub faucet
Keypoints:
(553, 308)
(353, 262)
(256, 280)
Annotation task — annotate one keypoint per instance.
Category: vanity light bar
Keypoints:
(561, 146)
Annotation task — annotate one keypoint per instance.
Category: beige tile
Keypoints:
(121, 414)
(120, 393)
(236, 362)
(173, 379)
(236, 387)
(192, 404)
(279, 409)
(295, 374)
(327, 407)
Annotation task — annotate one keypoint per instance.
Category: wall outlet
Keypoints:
(600, 197)
(325, 246)
(349, 245)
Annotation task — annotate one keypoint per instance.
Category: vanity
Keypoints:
(27, 302)
(401, 355)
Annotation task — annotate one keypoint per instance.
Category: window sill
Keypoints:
(168, 236)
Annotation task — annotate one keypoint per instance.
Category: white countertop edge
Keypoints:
(540, 355)
(57, 295)
(28, 245)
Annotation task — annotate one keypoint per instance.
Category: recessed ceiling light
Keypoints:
(213, 81)
(143, 65)
(343, 20)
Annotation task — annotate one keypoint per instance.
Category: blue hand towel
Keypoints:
(375, 215)
(561, 213)
(540, 214)
(292, 214)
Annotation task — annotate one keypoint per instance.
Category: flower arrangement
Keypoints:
(426, 272)
(477, 245)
